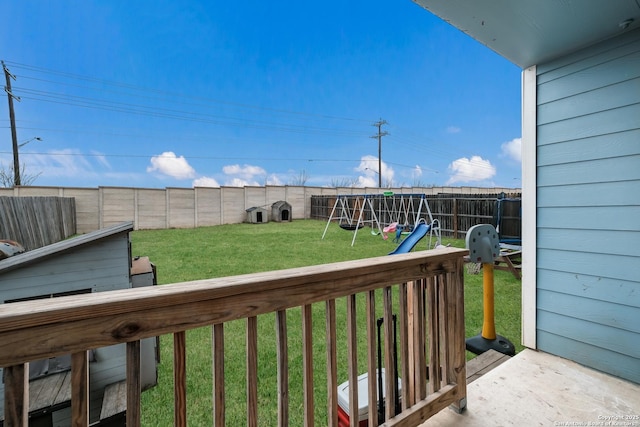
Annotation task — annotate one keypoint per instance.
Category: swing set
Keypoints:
(380, 211)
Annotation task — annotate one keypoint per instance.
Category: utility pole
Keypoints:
(380, 134)
(12, 118)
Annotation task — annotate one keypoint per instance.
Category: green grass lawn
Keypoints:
(192, 254)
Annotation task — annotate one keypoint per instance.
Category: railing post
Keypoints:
(458, 361)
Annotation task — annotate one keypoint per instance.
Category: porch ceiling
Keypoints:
(532, 32)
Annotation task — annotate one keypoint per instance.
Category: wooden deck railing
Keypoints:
(430, 321)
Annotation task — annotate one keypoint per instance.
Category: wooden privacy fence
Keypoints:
(455, 213)
(430, 320)
(35, 222)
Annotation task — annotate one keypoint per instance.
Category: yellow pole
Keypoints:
(488, 325)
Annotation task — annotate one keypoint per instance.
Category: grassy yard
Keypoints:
(190, 254)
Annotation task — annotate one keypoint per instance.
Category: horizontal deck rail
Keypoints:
(428, 286)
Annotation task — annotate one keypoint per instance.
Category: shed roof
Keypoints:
(36, 255)
(533, 32)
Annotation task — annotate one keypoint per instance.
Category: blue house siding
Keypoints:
(588, 207)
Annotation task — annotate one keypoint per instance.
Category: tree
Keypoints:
(7, 176)
(421, 184)
(343, 182)
(300, 179)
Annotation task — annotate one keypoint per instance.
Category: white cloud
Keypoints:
(205, 181)
(470, 170)
(368, 167)
(416, 172)
(453, 129)
(244, 171)
(101, 158)
(169, 164)
(239, 182)
(240, 176)
(60, 163)
(513, 149)
(273, 179)
(367, 181)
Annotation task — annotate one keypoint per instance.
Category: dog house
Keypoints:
(281, 211)
(257, 215)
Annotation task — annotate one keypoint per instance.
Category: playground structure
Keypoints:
(483, 243)
(384, 213)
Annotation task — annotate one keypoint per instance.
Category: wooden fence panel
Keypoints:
(456, 213)
(35, 222)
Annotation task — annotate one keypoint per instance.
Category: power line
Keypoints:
(172, 95)
(80, 154)
(138, 109)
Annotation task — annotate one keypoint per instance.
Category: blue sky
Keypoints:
(207, 93)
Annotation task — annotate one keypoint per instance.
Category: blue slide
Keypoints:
(412, 239)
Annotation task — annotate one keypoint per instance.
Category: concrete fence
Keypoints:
(149, 208)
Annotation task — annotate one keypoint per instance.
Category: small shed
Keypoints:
(257, 215)
(281, 211)
(93, 262)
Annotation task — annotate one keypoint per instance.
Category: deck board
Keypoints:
(480, 365)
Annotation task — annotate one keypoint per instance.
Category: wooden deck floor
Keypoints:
(538, 389)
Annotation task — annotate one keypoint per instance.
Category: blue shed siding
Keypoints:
(588, 207)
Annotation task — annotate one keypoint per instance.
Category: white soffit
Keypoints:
(530, 32)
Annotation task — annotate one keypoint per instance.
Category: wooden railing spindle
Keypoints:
(389, 356)
(16, 395)
(179, 379)
(444, 327)
(421, 369)
(80, 389)
(134, 384)
(372, 358)
(252, 371)
(433, 335)
(403, 325)
(352, 362)
(332, 364)
(218, 374)
(283, 368)
(307, 364)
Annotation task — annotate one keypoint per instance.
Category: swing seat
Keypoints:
(351, 227)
